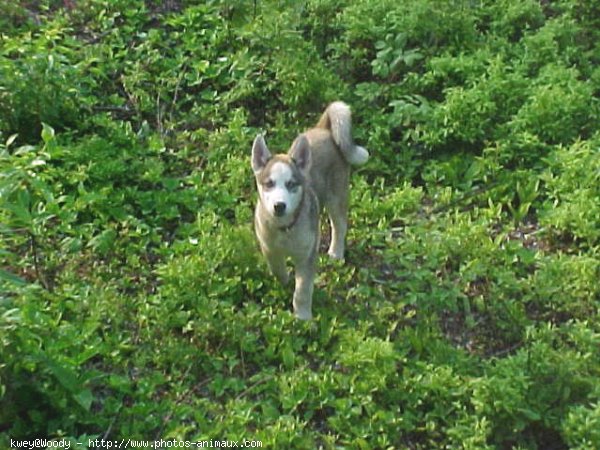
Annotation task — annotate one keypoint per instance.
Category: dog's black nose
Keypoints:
(279, 208)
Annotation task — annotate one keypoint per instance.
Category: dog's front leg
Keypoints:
(303, 292)
(277, 265)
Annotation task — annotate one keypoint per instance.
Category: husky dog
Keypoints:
(293, 187)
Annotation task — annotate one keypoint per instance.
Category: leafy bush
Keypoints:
(572, 184)
(134, 302)
(33, 91)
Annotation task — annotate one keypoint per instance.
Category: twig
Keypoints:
(243, 361)
(179, 400)
(176, 93)
(36, 262)
(474, 193)
(123, 109)
(110, 426)
(258, 383)
(159, 124)
(504, 351)
(97, 38)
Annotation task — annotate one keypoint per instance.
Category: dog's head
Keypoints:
(280, 178)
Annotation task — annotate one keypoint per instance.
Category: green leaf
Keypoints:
(531, 415)
(11, 139)
(85, 398)
(47, 133)
(287, 355)
(11, 278)
(69, 380)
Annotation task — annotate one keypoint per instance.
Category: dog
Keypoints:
(293, 187)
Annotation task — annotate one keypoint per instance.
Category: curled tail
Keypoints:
(337, 118)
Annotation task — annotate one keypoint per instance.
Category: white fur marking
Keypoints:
(280, 174)
(359, 156)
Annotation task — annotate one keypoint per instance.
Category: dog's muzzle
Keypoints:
(279, 209)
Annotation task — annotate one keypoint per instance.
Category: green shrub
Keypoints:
(559, 109)
(510, 19)
(134, 302)
(40, 84)
(572, 184)
(581, 427)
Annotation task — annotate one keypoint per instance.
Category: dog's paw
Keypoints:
(337, 255)
(303, 314)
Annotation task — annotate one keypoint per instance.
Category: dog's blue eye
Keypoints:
(291, 185)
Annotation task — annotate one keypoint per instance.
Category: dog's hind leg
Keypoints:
(338, 218)
(303, 292)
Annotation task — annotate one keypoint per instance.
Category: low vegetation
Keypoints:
(133, 299)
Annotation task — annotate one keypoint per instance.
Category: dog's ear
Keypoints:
(300, 153)
(260, 154)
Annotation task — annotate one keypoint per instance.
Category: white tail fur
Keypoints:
(338, 119)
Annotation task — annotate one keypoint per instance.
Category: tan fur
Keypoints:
(320, 159)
